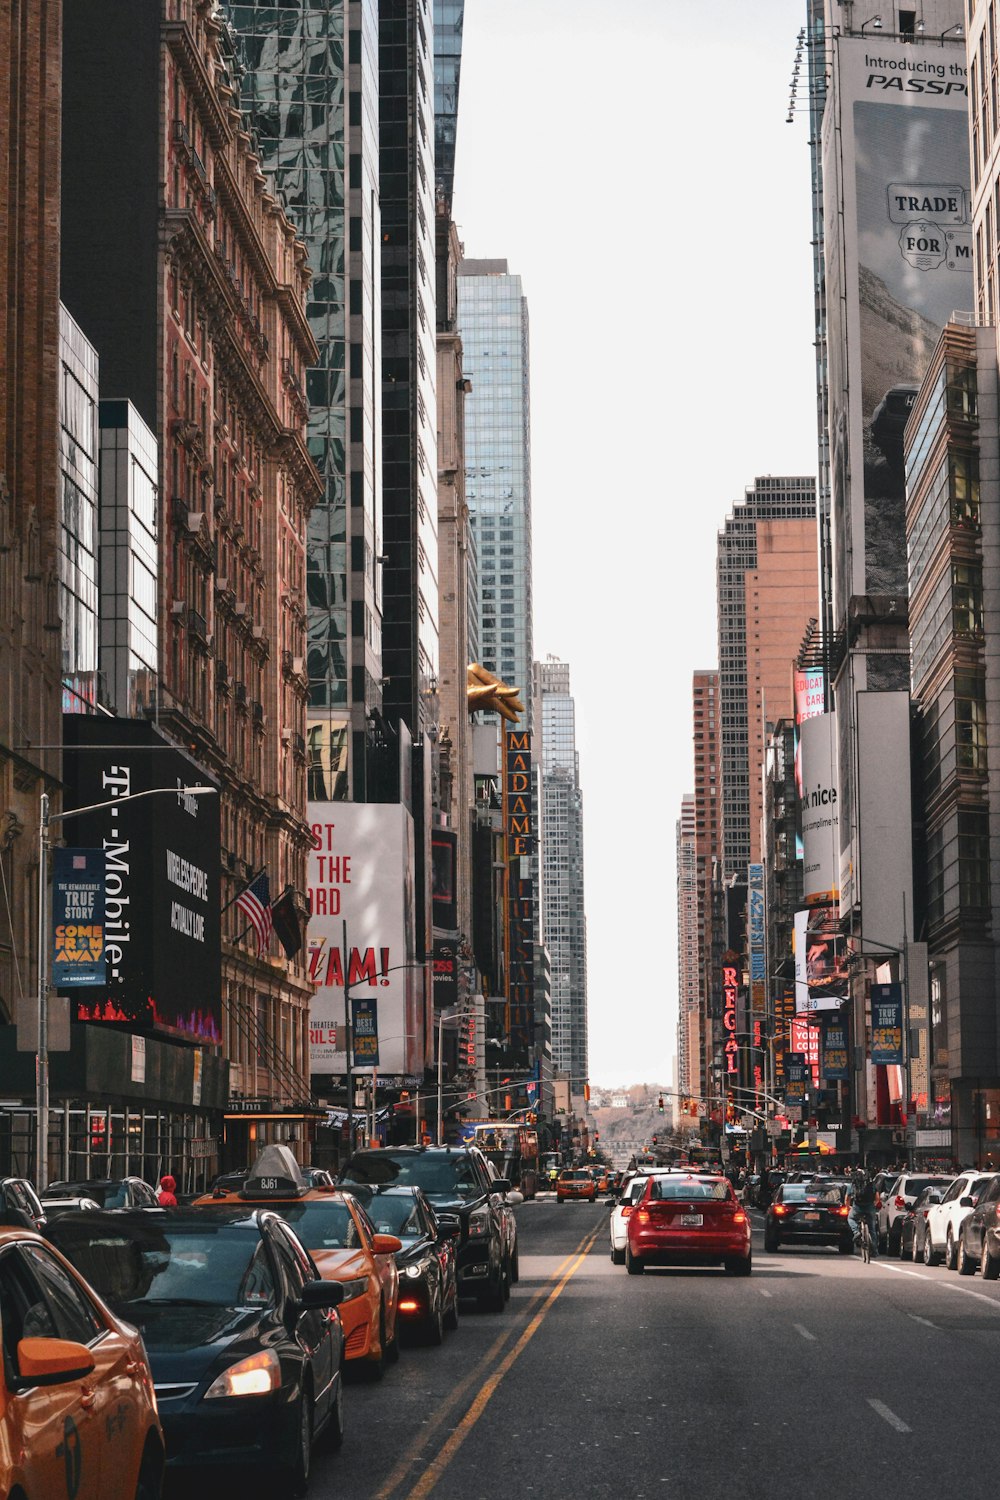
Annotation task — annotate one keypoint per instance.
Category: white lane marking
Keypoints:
(804, 1332)
(888, 1416)
(964, 1291)
(763, 1291)
(926, 1321)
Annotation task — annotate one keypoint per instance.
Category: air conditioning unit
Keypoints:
(178, 607)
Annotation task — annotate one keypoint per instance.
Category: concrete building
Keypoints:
(688, 949)
(191, 283)
(564, 921)
(708, 856)
(766, 592)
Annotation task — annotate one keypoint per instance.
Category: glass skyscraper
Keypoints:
(493, 323)
(449, 19)
(564, 922)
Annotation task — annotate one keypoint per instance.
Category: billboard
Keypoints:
(820, 817)
(361, 884)
(885, 831)
(161, 874)
(899, 261)
(822, 980)
(755, 938)
(887, 1024)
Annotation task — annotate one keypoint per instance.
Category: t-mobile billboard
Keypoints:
(361, 935)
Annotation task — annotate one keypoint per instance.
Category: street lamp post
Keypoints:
(45, 820)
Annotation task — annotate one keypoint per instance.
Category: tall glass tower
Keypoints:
(493, 323)
(564, 922)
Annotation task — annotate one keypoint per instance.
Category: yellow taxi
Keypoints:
(78, 1412)
(342, 1240)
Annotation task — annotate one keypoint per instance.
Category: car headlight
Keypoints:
(354, 1289)
(412, 1271)
(257, 1376)
(479, 1223)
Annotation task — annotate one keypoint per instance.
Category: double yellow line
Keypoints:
(483, 1379)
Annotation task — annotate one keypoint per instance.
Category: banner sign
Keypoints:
(730, 992)
(78, 917)
(755, 937)
(887, 1024)
(522, 900)
(795, 1078)
(834, 1053)
(364, 1021)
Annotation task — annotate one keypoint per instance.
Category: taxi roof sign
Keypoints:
(275, 1174)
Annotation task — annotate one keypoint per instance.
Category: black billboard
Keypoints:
(161, 853)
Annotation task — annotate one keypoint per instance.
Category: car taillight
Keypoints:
(642, 1214)
(739, 1217)
(900, 1202)
(843, 1210)
(626, 1211)
(779, 1209)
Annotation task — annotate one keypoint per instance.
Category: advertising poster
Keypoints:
(819, 811)
(805, 1042)
(821, 962)
(78, 917)
(833, 1054)
(755, 938)
(364, 1021)
(361, 874)
(887, 1024)
(162, 946)
(795, 1078)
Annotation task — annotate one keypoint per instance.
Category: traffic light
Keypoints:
(659, 1105)
(654, 1140)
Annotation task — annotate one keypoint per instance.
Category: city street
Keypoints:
(816, 1373)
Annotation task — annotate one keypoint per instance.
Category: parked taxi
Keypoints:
(78, 1413)
(342, 1240)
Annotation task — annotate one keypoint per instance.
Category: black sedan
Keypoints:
(913, 1229)
(109, 1192)
(809, 1213)
(979, 1240)
(242, 1341)
(428, 1277)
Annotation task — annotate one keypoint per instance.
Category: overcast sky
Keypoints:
(631, 160)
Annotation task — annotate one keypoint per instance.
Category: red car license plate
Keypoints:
(691, 1221)
(810, 1216)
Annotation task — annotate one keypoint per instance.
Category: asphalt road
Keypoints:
(816, 1375)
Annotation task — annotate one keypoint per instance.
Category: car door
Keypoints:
(386, 1270)
(311, 1326)
(58, 1426)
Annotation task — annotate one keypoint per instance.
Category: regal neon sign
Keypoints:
(729, 992)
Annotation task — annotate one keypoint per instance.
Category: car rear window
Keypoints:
(452, 1176)
(677, 1188)
(911, 1186)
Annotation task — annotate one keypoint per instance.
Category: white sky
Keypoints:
(631, 160)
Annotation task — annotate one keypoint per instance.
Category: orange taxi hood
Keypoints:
(341, 1265)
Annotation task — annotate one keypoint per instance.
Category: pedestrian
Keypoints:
(167, 1196)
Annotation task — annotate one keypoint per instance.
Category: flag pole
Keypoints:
(233, 899)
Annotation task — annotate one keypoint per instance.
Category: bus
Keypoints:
(511, 1147)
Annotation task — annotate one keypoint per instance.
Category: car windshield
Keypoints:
(439, 1176)
(321, 1224)
(689, 1187)
(396, 1214)
(205, 1264)
(576, 1177)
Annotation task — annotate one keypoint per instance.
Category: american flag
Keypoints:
(255, 904)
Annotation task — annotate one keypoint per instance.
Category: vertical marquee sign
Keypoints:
(730, 994)
(520, 923)
(755, 938)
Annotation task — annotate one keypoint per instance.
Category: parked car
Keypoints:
(456, 1182)
(945, 1219)
(914, 1223)
(428, 1278)
(335, 1229)
(687, 1219)
(979, 1237)
(574, 1184)
(897, 1199)
(20, 1205)
(809, 1213)
(72, 1373)
(632, 1188)
(109, 1192)
(55, 1206)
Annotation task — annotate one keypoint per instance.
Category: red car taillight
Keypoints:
(739, 1217)
(900, 1202)
(779, 1209)
(843, 1210)
(626, 1211)
(642, 1214)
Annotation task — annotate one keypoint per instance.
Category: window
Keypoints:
(73, 1316)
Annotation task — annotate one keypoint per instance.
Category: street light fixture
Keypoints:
(42, 1071)
(875, 22)
(958, 26)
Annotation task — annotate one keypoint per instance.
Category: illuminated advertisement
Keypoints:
(730, 995)
(784, 1013)
(805, 1041)
(361, 887)
(821, 961)
(162, 948)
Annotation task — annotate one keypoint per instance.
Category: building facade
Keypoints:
(687, 948)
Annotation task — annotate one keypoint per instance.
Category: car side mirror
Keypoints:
(387, 1244)
(316, 1294)
(51, 1362)
(514, 1197)
(500, 1185)
(449, 1224)
(967, 1202)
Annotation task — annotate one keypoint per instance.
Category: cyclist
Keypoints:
(863, 1198)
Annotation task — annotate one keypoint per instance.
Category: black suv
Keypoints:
(457, 1182)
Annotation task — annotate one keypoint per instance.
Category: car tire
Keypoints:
(435, 1324)
(893, 1241)
(633, 1263)
(149, 1483)
(515, 1267)
(989, 1264)
(950, 1252)
(964, 1264)
(617, 1256)
(376, 1367)
(451, 1314)
(846, 1246)
(739, 1265)
(299, 1469)
(931, 1256)
(493, 1299)
(506, 1280)
(771, 1241)
(333, 1432)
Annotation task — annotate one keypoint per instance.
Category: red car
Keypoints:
(689, 1219)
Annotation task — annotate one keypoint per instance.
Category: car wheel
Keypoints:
(493, 1299)
(506, 1280)
(435, 1324)
(515, 1268)
(950, 1252)
(451, 1314)
(988, 1262)
(148, 1484)
(299, 1469)
(964, 1264)
(617, 1256)
(931, 1257)
(770, 1241)
(376, 1366)
(739, 1265)
(333, 1434)
(633, 1263)
(893, 1241)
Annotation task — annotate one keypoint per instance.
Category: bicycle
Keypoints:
(865, 1240)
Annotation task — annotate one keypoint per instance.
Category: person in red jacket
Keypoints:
(167, 1197)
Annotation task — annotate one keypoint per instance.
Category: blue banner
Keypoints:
(833, 1057)
(364, 1025)
(78, 918)
(887, 1024)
